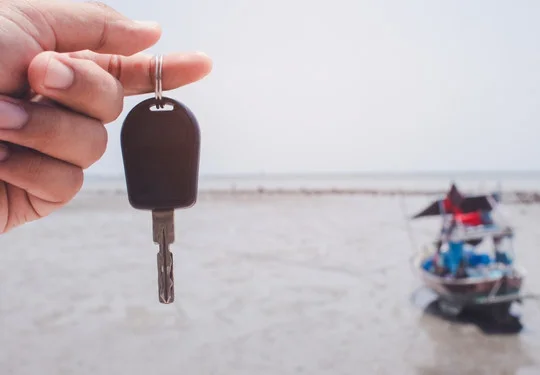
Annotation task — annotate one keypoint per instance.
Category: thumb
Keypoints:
(67, 26)
(30, 27)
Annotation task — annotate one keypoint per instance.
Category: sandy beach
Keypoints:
(267, 285)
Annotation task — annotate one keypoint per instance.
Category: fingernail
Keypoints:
(4, 152)
(201, 53)
(148, 24)
(12, 116)
(58, 75)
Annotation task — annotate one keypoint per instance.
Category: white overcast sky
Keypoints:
(352, 85)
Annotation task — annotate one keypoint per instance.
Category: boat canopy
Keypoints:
(457, 204)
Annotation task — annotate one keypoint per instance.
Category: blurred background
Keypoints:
(323, 125)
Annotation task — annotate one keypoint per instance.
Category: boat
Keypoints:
(471, 264)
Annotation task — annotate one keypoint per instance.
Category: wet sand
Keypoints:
(276, 285)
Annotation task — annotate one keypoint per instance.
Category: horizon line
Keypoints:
(348, 174)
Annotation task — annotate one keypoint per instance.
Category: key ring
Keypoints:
(159, 80)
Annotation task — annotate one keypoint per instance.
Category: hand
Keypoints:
(82, 58)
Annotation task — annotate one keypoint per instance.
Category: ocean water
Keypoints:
(471, 182)
(265, 284)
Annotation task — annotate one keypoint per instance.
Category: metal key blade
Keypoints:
(163, 231)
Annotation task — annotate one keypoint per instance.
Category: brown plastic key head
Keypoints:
(160, 150)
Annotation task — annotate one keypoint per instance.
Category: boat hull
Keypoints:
(474, 291)
(490, 294)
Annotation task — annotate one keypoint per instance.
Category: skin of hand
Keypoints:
(65, 69)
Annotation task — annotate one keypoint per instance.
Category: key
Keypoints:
(160, 149)
(160, 141)
(163, 230)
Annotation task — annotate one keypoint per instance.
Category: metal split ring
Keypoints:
(159, 80)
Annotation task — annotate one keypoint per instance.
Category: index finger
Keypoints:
(136, 73)
(66, 26)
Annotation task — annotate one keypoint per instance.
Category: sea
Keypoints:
(381, 182)
(274, 275)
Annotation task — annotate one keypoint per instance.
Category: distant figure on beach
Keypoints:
(65, 69)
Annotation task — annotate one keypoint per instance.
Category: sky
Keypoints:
(308, 86)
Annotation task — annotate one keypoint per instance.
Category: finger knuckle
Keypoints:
(39, 169)
(106, 13)
(72, 182)
(97, 145)
(115, 105)
(101, 141)
(76, 182)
